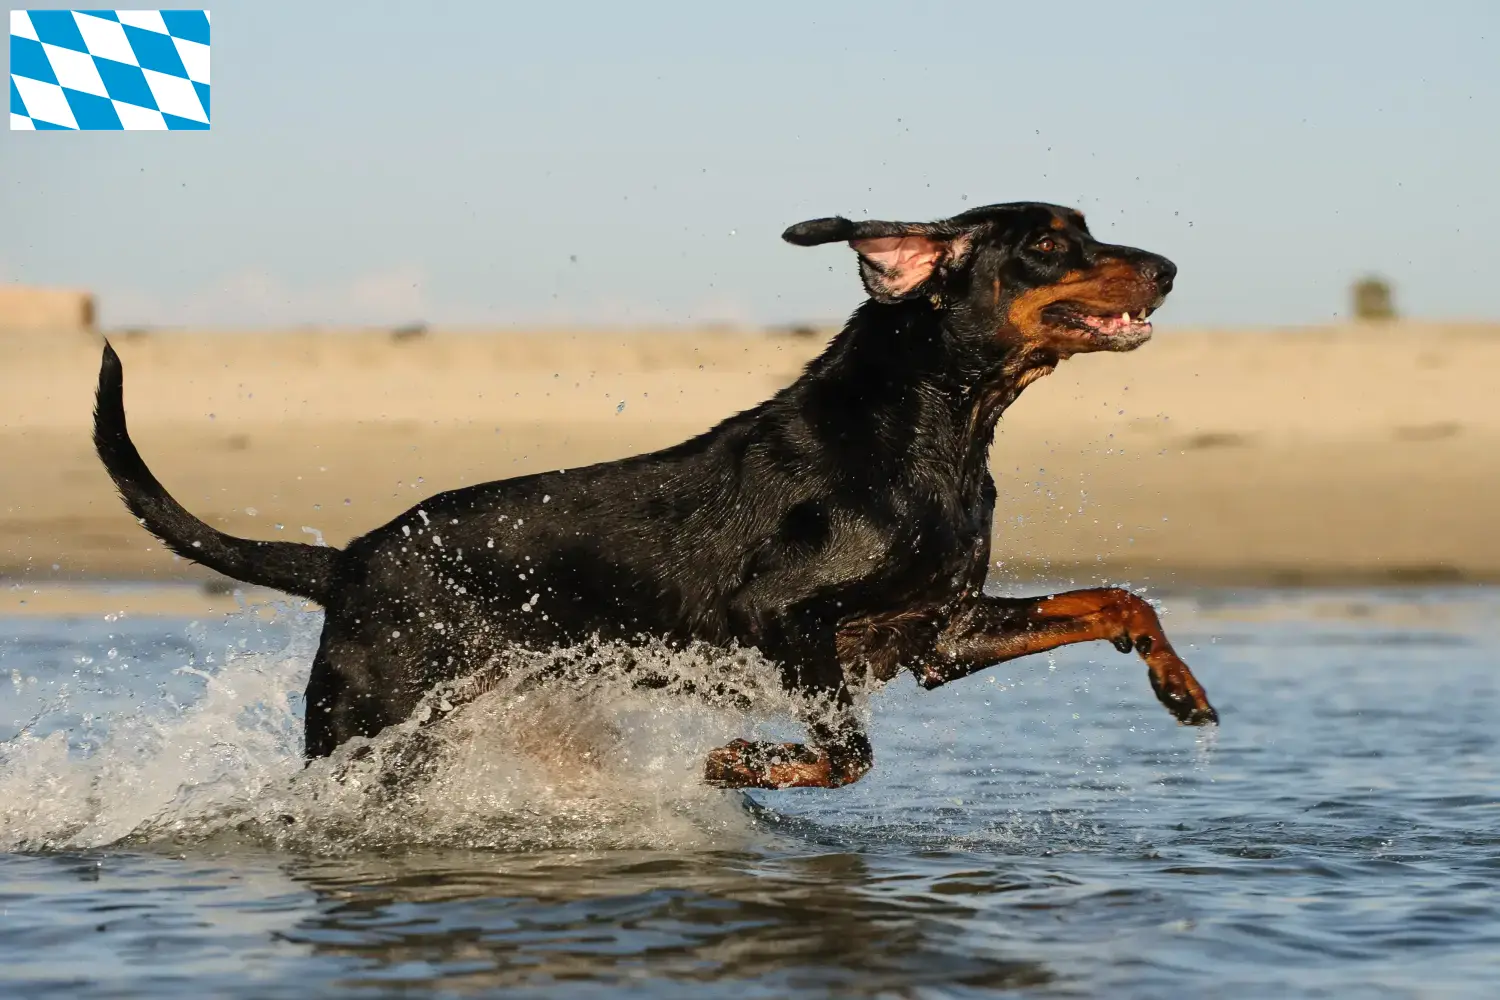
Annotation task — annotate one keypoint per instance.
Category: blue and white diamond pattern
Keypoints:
(109, 69)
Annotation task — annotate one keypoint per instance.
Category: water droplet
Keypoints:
(621, 407)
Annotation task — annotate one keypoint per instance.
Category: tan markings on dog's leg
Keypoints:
(994, 630)
(743, 764)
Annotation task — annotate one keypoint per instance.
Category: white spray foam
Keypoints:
(585, 760)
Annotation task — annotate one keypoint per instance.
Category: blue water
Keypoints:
(1040, 829)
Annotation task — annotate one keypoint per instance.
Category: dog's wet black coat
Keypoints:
(837, 527)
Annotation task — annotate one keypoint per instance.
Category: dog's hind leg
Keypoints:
(341, 700)
(995, 629)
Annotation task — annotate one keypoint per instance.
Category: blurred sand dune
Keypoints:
(1361, 454)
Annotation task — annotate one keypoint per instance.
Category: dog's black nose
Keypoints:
(1160, 270)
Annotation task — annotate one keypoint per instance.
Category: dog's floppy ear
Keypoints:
(895, 258)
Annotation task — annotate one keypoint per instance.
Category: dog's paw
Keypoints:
(1180, 692)
(743, 764)
(728, 767)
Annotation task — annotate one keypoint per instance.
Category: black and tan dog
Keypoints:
(842, 527)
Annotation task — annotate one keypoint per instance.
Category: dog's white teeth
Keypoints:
(1125, 318)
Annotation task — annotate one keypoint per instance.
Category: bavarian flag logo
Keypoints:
(112, 70)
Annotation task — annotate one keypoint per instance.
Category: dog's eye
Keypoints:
(1046, 245)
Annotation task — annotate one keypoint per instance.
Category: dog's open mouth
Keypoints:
(1121, 329)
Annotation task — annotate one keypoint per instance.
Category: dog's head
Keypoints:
(1025, 273)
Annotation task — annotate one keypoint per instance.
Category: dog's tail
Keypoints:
(304, 570)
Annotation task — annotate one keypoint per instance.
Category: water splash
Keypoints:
(587, 760)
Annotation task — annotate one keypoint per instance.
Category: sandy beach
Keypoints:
(1365, 454)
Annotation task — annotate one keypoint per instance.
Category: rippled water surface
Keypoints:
(1042, 828)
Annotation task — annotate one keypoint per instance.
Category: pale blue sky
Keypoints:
(384, 162)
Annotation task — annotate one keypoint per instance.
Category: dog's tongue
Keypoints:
(1109, 325)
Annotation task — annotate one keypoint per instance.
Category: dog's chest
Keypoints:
(939, 579)
(902, 622)
(940, 548)
(932, 568)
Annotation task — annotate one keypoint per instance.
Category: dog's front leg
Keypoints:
(839, 755)
(994, 629)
